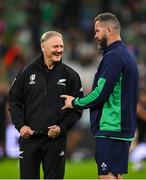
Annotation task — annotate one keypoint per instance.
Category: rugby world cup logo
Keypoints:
(32, 78)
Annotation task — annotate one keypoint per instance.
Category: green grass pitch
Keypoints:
(74, 170)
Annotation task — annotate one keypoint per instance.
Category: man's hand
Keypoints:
(53, 131)
(26, 132)
(68, 101)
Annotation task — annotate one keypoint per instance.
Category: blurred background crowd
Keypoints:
(22, 22)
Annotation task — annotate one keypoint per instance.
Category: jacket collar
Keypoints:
(40, 62)
(113, 46)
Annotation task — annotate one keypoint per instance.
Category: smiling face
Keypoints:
(53, 49)
(101, 34)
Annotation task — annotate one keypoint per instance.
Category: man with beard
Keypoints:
(112, 101)
(35, 107)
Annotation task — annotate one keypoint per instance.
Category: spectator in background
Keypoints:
(3, 106)
(138, 153)
(13, 61)
(74, 137)
(141, 117)
(4, 85)
(112, 101)
(35, 108)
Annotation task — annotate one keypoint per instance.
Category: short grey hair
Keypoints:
(109, 17)
(48, 35)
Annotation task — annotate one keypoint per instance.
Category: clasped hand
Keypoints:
(53, 131)
(26, 132)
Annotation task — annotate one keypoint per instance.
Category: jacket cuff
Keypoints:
(73, 103)
(19, 126)
(63, 129)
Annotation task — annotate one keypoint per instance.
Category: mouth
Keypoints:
(57, 54)
(97, 40)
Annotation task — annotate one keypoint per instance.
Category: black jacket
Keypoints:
(34, 97)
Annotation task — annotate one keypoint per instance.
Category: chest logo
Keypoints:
(61, 82)
(32, 79)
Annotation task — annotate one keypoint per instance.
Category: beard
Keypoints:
(102, 44)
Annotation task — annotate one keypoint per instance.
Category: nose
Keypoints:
(60, 49)
(95, 36)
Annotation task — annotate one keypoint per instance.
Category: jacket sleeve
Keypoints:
(72, 115)
(110, 73)
(16, 101)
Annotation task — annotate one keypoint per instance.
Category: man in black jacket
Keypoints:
(35, 107)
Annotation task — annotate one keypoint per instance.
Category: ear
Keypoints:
(42, 47)
(109, 30)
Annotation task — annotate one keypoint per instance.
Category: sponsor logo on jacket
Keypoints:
(61, 82)
(32, 79)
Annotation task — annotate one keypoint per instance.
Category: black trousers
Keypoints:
(40, 149)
